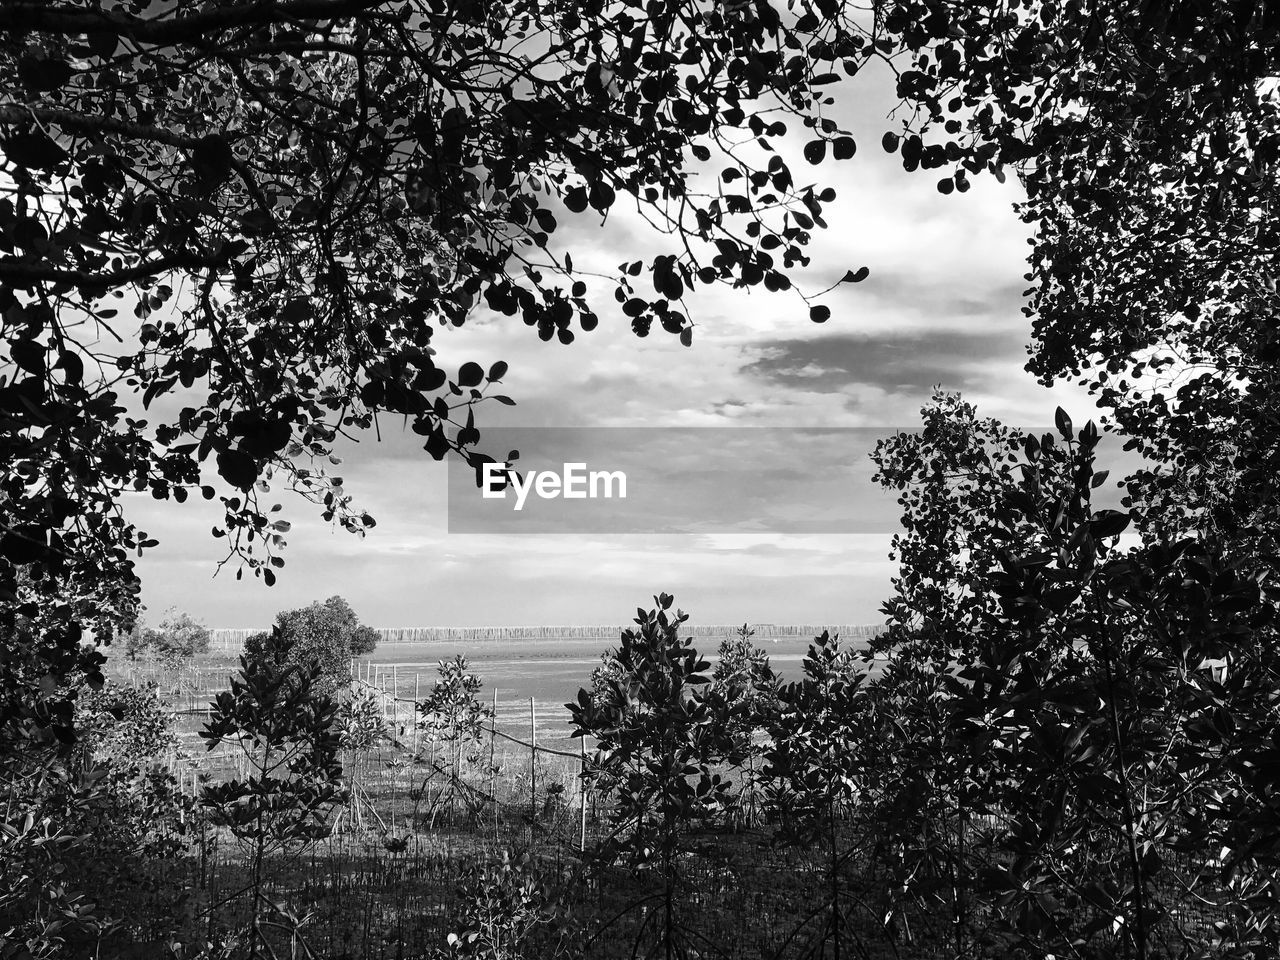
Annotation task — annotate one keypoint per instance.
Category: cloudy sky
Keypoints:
(941, 306)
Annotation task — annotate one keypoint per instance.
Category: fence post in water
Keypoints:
(413, 718)
(395, 703)
(493, 771)
(533, 765)
(582, 792)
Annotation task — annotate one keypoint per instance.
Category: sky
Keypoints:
(941, 306)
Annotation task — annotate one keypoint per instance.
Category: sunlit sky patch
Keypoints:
(941, 306)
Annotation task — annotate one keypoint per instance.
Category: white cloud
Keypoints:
(939, 265)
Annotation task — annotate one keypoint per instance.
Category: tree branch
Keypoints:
(78, 122)
(47, 18)
(31, 272)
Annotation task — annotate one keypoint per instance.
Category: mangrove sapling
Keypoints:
(286, 731)
(510, 911)
(361, 727)
(655, 749)
(454, 721)
(814, 773)
(744, 698)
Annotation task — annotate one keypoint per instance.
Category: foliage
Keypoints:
(1074, 757)
(952, 477)
(1145, 137)
(814, 771)
(360, 723)
(743, 697)
(132, 642)
(606, 679)
(453, 719)
(743, 688)
(84, 833)
(325, 635)
(655, 751)
(452, 711)
(177, 639)
(286, 728)
(327, 184)
(508, 909)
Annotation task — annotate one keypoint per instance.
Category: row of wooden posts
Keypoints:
(375, 677)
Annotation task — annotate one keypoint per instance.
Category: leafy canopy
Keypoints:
(250, 221)
(321, 635)
(177, 639)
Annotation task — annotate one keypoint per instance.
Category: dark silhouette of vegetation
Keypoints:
(1036, 751)
(655, 752)
(331, 181)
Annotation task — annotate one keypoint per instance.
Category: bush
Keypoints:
(509, 909)
(287, 729)
(656, 746)
(324, 635)
(88, 831)
(177, 639)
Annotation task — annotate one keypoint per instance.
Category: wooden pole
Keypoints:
(493, 771)
(582, 791)
(395, 702)
(533, 765)
(414, 718)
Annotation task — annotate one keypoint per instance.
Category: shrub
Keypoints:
(177, 639)
(87, 830)
(510, 909)
(323, 635)
(814, 772)
(656, 746)
(453, 718)
(287, 729)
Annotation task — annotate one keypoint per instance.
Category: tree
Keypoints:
(452, 716)
(177, 639)
(656, 747)
(1145, 136)
(743, 698)
(326, 635)
(277, 714)
(326, 181)
(814, 775)
(1078, 770)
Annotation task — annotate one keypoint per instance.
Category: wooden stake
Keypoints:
(582, 791)
(493, 773)
(414, 717)
(533, 765)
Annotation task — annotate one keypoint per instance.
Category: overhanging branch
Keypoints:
(195, 28)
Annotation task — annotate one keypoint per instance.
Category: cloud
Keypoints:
(942, 304)
(956, 358)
